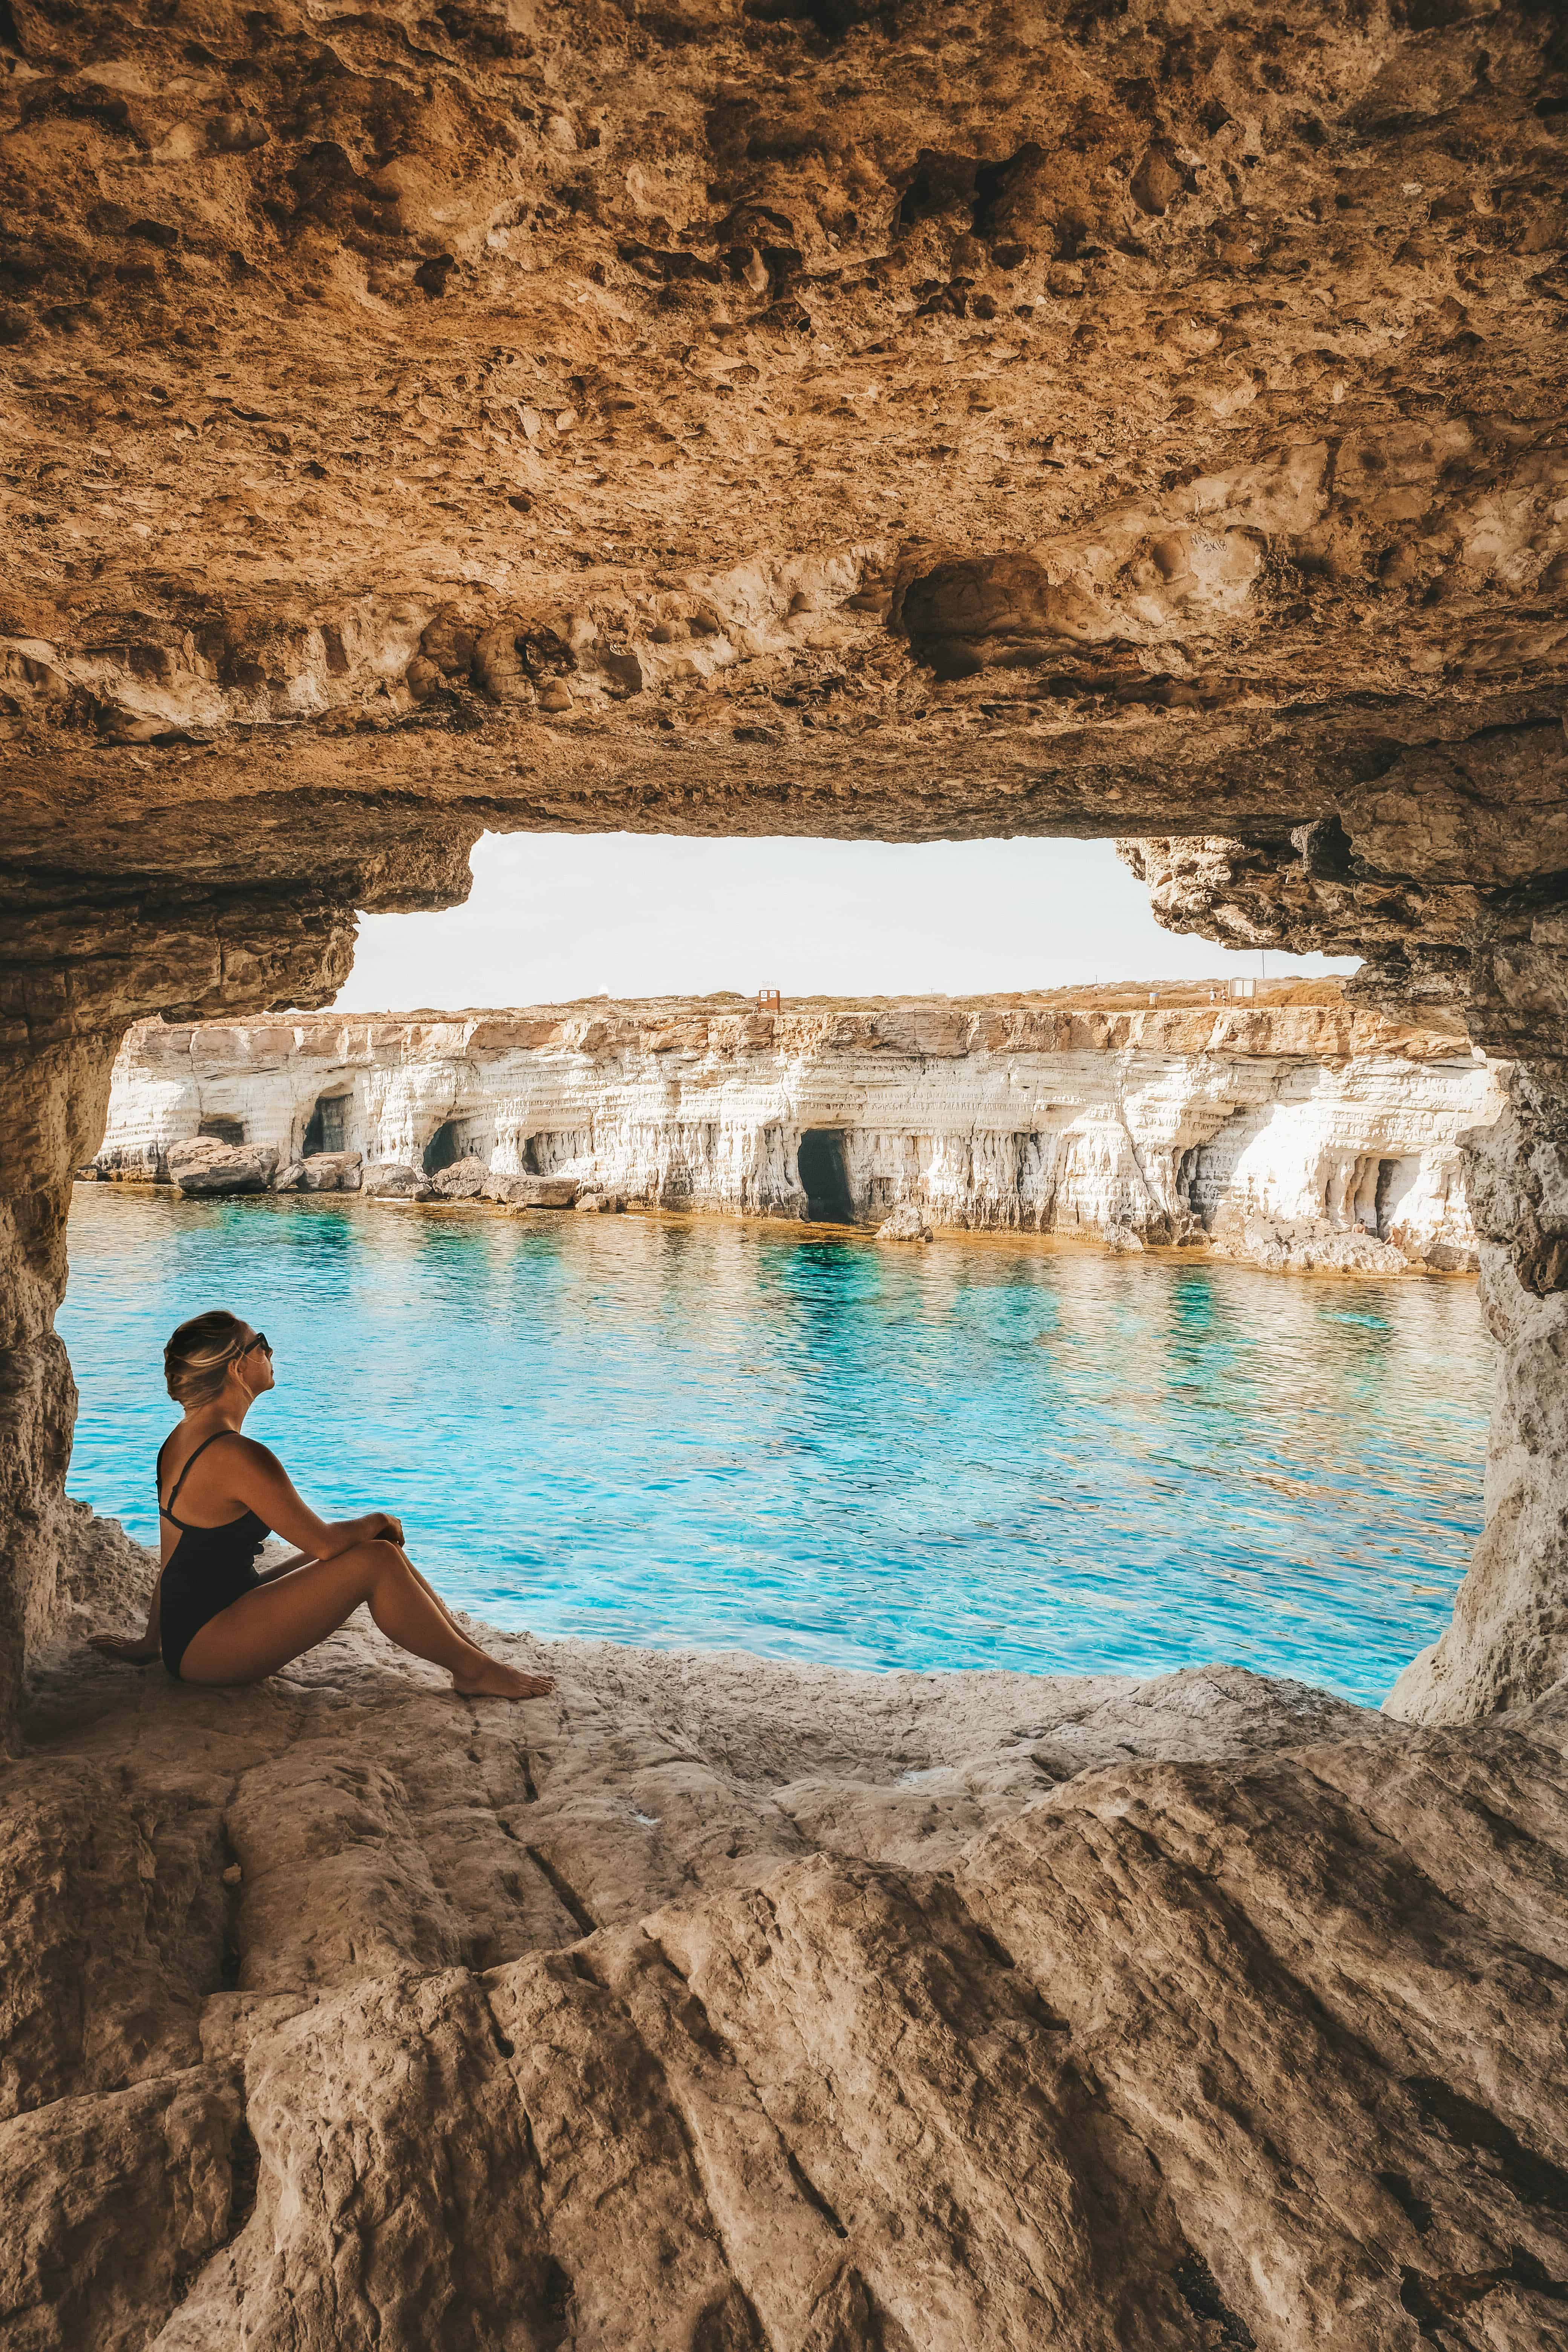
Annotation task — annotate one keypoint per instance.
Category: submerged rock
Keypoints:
(204, 1165)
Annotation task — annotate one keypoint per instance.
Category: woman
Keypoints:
(213, 1617)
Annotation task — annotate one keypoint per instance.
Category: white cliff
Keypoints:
(1297, 1134)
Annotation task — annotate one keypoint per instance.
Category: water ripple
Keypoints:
(981, 1454)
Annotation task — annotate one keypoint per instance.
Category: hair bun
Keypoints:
(198, 1355)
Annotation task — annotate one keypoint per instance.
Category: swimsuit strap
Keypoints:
(166, 1510)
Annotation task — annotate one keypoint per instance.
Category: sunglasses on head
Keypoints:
(260, 1341)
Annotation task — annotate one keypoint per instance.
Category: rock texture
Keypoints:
(197, 1164)
(1303, 1135)
(722, 2003)
(909, 421)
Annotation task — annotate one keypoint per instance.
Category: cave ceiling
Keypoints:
(918, 422)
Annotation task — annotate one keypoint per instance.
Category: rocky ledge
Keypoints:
(738, 2006)
(1304, 1135)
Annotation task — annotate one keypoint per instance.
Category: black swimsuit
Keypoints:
(208, 1568)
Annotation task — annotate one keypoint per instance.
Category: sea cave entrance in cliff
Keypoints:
(822, 1177)
(443, 1147)
(325, 1131)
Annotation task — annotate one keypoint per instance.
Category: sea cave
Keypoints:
(902, 424)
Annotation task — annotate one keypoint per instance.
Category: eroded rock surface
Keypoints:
(619, 420)
(716, 2002)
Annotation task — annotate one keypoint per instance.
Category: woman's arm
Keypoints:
(259, 1482)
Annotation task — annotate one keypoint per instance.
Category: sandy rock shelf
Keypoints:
(719, 2002)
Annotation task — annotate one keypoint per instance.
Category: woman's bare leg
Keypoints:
(425, 1582)
(546, 1681)
(422, 1580)
(264, 1630)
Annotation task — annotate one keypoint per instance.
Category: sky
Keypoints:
(554, 917)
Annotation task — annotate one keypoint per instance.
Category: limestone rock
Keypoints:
(908, 1223)
(600, 1204)
(1303, 1246)
(290, 1177)
(532, 1191)
(330, 1172)
(203, 1165)
(599, 2020)
(465, 1179)
(390, 1180)
(1074, 1116)
(117, 2200)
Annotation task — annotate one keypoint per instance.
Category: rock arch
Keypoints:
(1078, 429)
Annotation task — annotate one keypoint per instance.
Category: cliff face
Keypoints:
(1163, 1124)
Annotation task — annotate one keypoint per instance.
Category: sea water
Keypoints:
(694, 1433)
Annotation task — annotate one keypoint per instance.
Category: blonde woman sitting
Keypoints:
(214, 1617)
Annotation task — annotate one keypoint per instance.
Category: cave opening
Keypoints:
(822, 1177)
(222, 1129)
(325, 1130)
(443, 1147)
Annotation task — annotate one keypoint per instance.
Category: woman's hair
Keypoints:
(196, 1360)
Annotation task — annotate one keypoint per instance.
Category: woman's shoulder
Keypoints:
(256, 1455)
(252, 1453)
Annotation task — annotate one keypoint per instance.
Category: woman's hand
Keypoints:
(384, 1529)
(138, 1651)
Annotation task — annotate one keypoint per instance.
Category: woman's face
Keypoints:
(253, 1365)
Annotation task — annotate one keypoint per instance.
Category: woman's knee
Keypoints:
(384, 1559)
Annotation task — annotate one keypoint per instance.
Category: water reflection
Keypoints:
(979, 1453)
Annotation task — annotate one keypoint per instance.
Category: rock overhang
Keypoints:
(902, 424)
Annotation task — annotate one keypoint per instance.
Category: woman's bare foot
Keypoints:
(490, 1679)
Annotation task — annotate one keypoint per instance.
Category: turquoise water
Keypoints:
(702, 1433)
